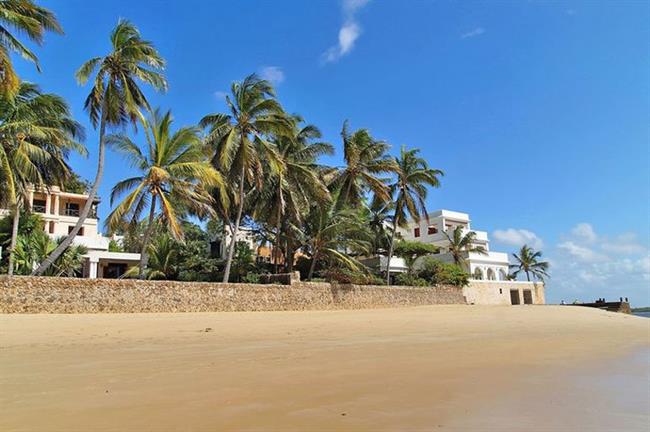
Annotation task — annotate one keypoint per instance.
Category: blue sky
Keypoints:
(538, 112)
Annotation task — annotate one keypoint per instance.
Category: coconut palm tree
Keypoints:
(365, 159)
(169, 171)
(332, 232)
(115, 99)
(527, 261)
(163, 262)
(297, 184)
(413, 175)
(37, 134)
(24, 17)
(239, 141)
(461, 244)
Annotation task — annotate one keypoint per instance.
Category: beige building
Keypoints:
(60, 212)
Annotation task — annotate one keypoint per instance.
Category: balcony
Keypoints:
(71, 212)
(38, 208)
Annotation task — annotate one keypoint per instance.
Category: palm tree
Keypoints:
(378, 216)
(115, 100)
(163, 262)
(27, 18)
(240, 145)
(296, 185)
(461, 244)
(365, 158)
(37, 134)
(410, 187)
(169, 170)
(528, 262)
(332, 232)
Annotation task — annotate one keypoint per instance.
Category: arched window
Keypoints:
(491, 275)
(502, 275)
(478, 274)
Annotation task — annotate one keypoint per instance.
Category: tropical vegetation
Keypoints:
(196, 191)
(528, 261)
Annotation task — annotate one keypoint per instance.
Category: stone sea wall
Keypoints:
(26, 294)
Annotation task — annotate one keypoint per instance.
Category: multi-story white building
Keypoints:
(489, 266)
(60, 212)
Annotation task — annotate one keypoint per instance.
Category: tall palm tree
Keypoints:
(461, 244)
(27, 18)
(240, 144)
(115, 100)
(413, 175)
(332, 232)
(169, 170)
(297, 183)
(528, 261)
(37, 134)
(378, 216)
(365, 159)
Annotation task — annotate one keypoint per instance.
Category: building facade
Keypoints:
(490, 266)
(60, 211)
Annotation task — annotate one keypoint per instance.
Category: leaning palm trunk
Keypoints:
(390, 249)
(144, 254)
(65, 244)
(235, 231)
(14, 238)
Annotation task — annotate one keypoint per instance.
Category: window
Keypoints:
(51, 227)
(432, 230)
(71, 209)
(38, 206)
(500, 291)
(80, 233)
(416, 232)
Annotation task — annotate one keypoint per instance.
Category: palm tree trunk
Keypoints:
(86, 209)
(233, 241)
(312, 267)
(527, 276)
(14, 238)
(390, 249)
(276, 251)
(144, 254)
(289, 258)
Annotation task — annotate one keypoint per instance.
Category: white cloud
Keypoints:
(624, 244)
(221, 95)
(518, 238)
(273, 74)
(473, 33)
(581, 253)
(584, 231)
(348, 33)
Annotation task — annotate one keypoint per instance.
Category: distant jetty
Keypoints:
(621, 306)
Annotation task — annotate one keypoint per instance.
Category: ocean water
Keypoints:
(642, 314)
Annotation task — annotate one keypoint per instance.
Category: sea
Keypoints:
(642, 314)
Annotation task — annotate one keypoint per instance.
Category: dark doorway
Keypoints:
(114, 271)
(514, 297)
(528, 297)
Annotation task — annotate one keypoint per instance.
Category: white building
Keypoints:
(60, 212)
(491, 266)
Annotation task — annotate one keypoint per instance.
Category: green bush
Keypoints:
(252, 278)
(407, 279)
(437, 272)
(357, 277)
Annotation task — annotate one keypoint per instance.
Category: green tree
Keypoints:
(169, 170)
(412, 250)
(331, 233)
(26, 18)
(115, 100)
(37, 134)
(413, 175)
(528, 261)
(239, 141)
(461, 244)
(243, 262)
(365, 159)
(437, 272)
(298, 183)
(163, 261)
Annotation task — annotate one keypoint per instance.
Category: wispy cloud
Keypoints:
(518, 237)
(273, 74)
(348, 33)
(221, 95)
(473, 33)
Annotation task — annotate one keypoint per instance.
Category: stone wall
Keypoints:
(26, 294)
(490, 292)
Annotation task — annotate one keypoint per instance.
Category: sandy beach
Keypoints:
(423, 368)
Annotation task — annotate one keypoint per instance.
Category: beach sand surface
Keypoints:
(421, 368)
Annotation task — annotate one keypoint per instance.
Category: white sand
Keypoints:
(439, 367)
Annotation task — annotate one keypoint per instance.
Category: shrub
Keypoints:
(407, 279)
(437, 272)
(348, 276)
(252, 278)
